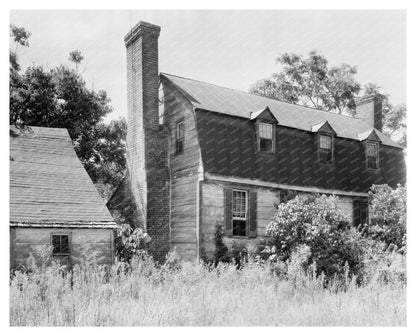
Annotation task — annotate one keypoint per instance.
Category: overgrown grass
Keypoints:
(185, 294)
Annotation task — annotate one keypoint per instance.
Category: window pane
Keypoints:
(239, 227)
(180, 129)
(64, 244)
(266, 145)
(266, 131)
(325, 155)
(325, 142)
(371, 149)
(239, 204)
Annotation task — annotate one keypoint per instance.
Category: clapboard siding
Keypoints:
(85, 243)
(213, 213)
(184, 174)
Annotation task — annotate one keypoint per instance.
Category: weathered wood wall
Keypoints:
(85, 243)
(213, 213)
(267, 199)
(184, 174)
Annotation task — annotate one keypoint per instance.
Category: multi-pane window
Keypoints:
(266, 137)
(325, 148)
(239, 212)
(180, 136)
(372, 155)
(60, 244)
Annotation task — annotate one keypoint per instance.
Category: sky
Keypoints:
(228, 48)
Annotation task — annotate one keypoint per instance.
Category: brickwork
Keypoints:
(146, 141)
(370, 110)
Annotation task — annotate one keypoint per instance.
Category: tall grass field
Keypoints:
(186, 294)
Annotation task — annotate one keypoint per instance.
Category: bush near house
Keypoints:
(318, 223)
(388, 216)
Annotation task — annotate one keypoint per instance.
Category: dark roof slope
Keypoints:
(241, 104)
(48, 183)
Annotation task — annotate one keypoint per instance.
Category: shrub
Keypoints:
(317, 222)
(129, 242)
(221, 253)
(388, 215)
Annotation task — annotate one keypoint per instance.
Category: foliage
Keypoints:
(59, 97)
(76, 57)
(130, 242)
(316, 222)
(221, 253)
(310, 82)
(388, 219)
(197, 295)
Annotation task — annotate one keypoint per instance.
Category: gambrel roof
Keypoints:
(48, 184)
(215, 98)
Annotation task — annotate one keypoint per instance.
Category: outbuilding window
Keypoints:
(180, 136)
(266, 137)
(372, 155)
(60, 244)
(325, 148)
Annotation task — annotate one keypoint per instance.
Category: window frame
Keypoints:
(179, 150)
(363, 208)
(60, 253)
(246, 212)
(273, 139)
(377, 154)
(320, 149)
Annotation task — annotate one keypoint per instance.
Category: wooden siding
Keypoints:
(184, 175)
(213, 213)
(228, 147)
(85, 243)
(267, 200)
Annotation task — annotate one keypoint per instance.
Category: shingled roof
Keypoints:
(241, 104)
(48, 184)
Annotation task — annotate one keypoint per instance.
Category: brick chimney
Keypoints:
(147, 142)
(369, 109)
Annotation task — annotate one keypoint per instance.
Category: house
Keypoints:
(200, 155)
(53, 202)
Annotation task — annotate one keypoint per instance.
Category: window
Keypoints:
(60, 244)
(180, 136)
(266, 137)
(360, 212)
(372, 155)
(239, 212)
(325, 148)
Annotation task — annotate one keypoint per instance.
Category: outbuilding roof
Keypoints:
(242, 104)
(48, 184)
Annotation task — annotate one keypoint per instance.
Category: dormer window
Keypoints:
(372, 155)
(266, 137)
(325, 148)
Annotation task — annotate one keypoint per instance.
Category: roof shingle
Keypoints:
(48, 183)
(241, 104)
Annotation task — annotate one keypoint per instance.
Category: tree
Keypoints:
(59, 97)
(310, 82)
(76, 57)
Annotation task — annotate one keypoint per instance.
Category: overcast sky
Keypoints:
(227, 48)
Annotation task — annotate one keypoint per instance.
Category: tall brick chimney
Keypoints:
(147, 142)
(369, 109)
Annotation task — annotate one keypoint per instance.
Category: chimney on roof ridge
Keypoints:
(147, 145)
(370, 110)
